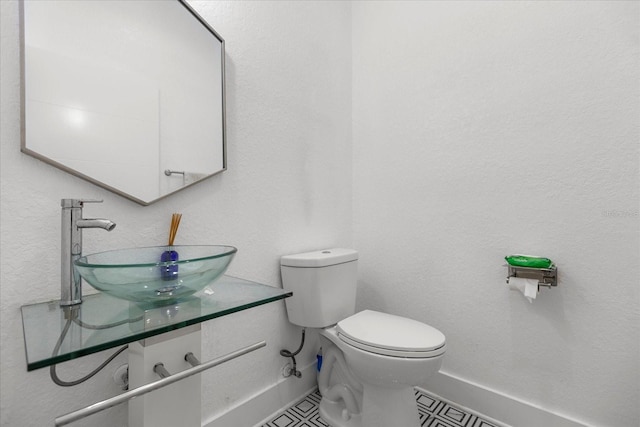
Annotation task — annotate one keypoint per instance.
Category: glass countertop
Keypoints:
(102, 322)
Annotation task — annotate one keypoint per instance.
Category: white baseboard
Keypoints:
(264, 405)
(494, 405)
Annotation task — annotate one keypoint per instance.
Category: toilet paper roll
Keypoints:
(528, 287)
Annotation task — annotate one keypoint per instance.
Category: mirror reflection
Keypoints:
(128, 95)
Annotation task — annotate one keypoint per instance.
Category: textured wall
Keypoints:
(288, 189)
(488, 128)
(479, 129)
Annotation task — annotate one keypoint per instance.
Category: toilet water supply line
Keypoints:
(286, 353)
(331, 358)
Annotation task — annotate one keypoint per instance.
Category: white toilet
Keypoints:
(371, 360)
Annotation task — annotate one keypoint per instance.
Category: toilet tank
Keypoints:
(323, 285)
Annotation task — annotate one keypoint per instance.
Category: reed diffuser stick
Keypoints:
(173, 230)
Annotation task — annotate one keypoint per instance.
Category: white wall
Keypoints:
(483, 129)
(479, 129)
(287, 189)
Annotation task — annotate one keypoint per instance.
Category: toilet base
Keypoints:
(334, 414)
(384, 407)
(381, 407)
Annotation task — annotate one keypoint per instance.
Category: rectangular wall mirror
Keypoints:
(126, 94)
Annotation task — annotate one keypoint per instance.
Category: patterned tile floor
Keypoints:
(433, 413)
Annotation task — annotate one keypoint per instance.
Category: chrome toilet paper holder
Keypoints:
(546, 276)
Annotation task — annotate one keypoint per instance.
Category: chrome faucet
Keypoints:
(71, 248)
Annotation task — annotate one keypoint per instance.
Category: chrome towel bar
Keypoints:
(121, 398)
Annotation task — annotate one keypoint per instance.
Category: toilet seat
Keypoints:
(391, 335)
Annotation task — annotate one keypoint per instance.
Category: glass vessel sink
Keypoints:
(157, 275)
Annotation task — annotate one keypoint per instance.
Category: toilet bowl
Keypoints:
(384, 367)
(372, 360)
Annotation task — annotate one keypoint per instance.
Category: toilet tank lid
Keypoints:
(322, 258)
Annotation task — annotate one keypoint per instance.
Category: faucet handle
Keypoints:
(77, 203)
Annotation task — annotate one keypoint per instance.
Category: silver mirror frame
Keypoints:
(23, 133)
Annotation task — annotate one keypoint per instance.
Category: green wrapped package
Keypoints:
(528, 261)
